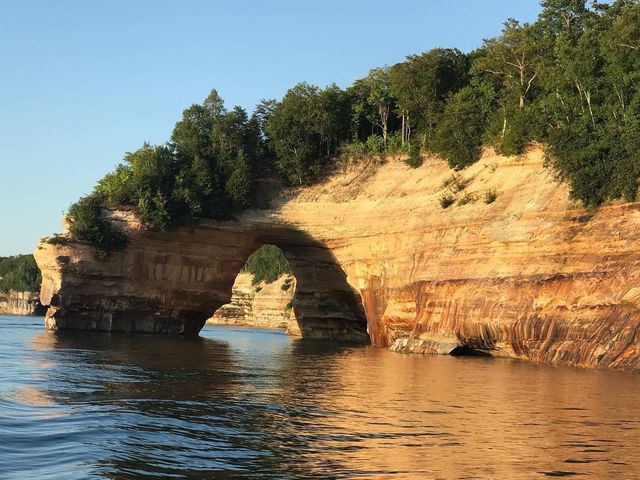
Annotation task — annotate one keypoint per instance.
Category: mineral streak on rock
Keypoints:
(529, 276)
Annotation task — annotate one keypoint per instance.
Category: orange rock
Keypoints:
(531, 275)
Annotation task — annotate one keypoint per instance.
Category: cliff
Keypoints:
(529, 276)
(20, 303)
(265, 305)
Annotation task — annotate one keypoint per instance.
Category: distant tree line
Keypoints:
(569, 81)
(19, 273)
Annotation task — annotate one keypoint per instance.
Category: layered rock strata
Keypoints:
(530, 275)
(265, 305)
(21, 303)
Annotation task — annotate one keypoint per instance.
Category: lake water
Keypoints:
(242, 403)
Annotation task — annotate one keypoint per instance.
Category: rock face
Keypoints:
(528, 276)
(21, 303)
(170, 282)
(266, 305)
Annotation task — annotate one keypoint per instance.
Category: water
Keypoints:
(241, 403)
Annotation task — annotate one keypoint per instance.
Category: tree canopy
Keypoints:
(569, 80)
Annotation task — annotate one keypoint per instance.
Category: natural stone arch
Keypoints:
(325, 305)
(170, 282)
(528, 275)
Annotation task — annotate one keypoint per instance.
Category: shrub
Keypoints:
(88, 223)
(395, 145)
(455, 183)
(490, 196)
(57, 239)
(375, 144)
(468, 198)
(355, 149)
(415, 159)
(447, 200)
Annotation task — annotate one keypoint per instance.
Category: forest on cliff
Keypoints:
(569, 81)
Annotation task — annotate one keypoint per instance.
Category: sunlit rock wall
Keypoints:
(20, 303)
(264, 305)
(530, 275)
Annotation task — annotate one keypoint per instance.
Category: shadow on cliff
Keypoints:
(325, 305)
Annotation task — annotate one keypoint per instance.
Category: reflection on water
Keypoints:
(256, 404)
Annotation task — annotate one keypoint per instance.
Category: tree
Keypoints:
(263, 111)
(228, 134)
(459, 135)
(191, 136)
(19, 273)
(293, 132)
(239, 182)
(214, 104)
(421, 84)
(563, 16)
(595, 126)
(334, 117)
(377, 86)
(514, 58)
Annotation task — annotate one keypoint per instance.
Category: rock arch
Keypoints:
(171, 282)
(529, 275)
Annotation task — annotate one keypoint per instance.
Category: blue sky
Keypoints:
(82, 82)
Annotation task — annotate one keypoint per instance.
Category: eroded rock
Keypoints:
(529, 276)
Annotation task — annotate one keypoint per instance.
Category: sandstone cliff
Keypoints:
(265, 305)
(20, 303)
(528, 276)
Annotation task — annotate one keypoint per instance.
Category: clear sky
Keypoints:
(82, 82)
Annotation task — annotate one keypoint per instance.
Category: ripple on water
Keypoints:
(254, 404)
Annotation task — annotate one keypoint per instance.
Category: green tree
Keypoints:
(87, 222)
(293, 131)
(239, 182)
(421, 85)
(214, 105)
(377, 88)
(459, 135)
(267, 264)
(334, 118)
(514, 58)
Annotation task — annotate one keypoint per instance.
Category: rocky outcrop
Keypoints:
(265, 305)
(170, 282)
(530, 275)
(20, 303)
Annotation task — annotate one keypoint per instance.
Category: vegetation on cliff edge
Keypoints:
(570, 81)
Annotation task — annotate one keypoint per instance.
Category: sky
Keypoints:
(83, 82)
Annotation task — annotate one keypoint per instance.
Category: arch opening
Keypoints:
(322, 304)
(262, 294)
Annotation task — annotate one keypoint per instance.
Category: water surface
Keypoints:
(241, 403)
